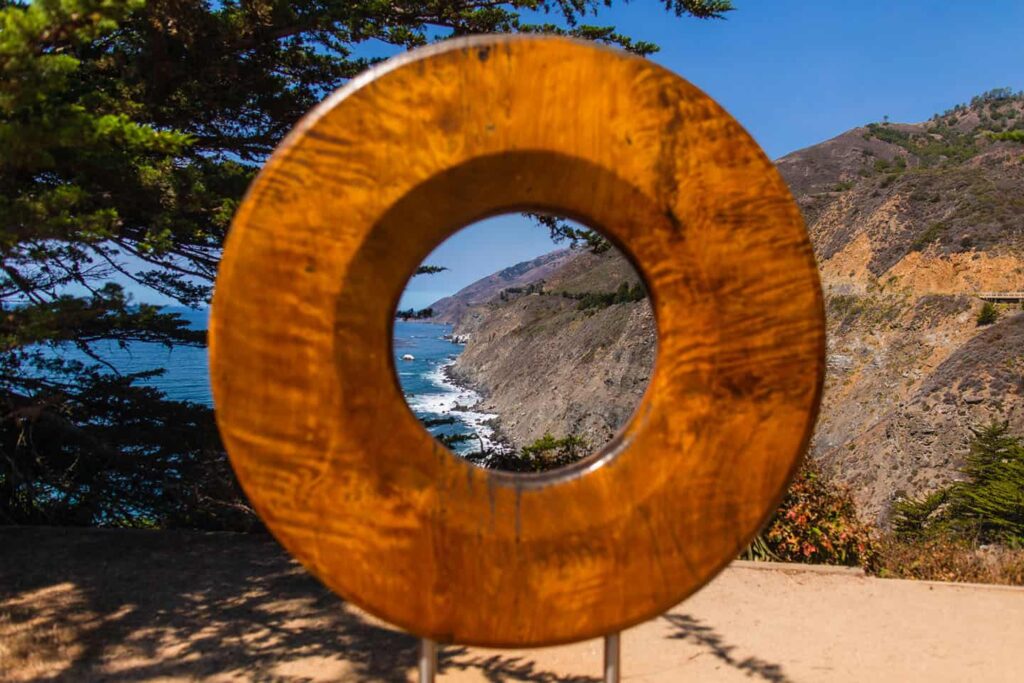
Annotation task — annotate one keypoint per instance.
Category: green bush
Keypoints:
(413, 314)
(988, 314)
(595, 300)
(623, 295)
(627, 294)
(1010, 135)
(546, 453)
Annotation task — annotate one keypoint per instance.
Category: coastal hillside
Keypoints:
(569, 355)
(910, 223)
(933, 208)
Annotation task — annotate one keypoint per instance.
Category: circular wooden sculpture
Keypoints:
(352, 201)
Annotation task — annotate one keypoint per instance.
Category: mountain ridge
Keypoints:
(450, 309)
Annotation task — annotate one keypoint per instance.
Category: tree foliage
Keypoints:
(413, 314)
(129, 131)
(987, 506)
(546, 453)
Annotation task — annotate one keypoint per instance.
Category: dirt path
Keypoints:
(87, 605)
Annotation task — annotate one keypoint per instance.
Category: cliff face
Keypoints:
(544, 365)
(909, 223)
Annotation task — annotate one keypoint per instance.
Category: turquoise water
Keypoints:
(186, 374)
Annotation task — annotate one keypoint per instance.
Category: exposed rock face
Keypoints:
(908, 376)
(543, 365)
(909, 223)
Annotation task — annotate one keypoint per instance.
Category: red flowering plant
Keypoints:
(816, 524)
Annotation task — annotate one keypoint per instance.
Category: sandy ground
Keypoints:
(88, 605)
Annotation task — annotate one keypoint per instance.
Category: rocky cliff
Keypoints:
(910, 222)
(548, 359)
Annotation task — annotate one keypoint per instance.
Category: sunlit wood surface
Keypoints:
(352, 201)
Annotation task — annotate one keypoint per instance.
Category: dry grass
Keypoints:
(947, 559)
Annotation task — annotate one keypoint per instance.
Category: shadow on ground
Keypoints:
(686, 627)
(74, 607)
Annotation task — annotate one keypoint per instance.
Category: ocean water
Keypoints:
(428, 392)
(186, 374)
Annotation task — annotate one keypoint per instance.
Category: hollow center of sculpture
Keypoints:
(524, 343)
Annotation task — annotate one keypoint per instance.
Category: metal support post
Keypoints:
(428, 660)
(612, 658)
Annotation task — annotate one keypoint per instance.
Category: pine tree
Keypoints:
(988, 506)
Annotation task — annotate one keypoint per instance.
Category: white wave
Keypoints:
(443, 402)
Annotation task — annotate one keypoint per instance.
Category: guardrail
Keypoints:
(1002, 297)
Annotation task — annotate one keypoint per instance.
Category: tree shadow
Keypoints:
(499, 668)
(122, 606)
(691, 629)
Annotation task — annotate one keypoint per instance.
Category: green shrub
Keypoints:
(931, 234)
(595, 300)
(413, 314)
(1010, 135)
(546, 453)
(625, 293)
(988, 314)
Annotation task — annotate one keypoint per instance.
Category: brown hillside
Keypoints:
(909, 223)
(544, 365)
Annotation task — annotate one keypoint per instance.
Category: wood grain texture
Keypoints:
(353, 200)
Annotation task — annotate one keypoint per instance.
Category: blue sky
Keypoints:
(794, 74)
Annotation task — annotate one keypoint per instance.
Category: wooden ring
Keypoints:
(360, 192)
